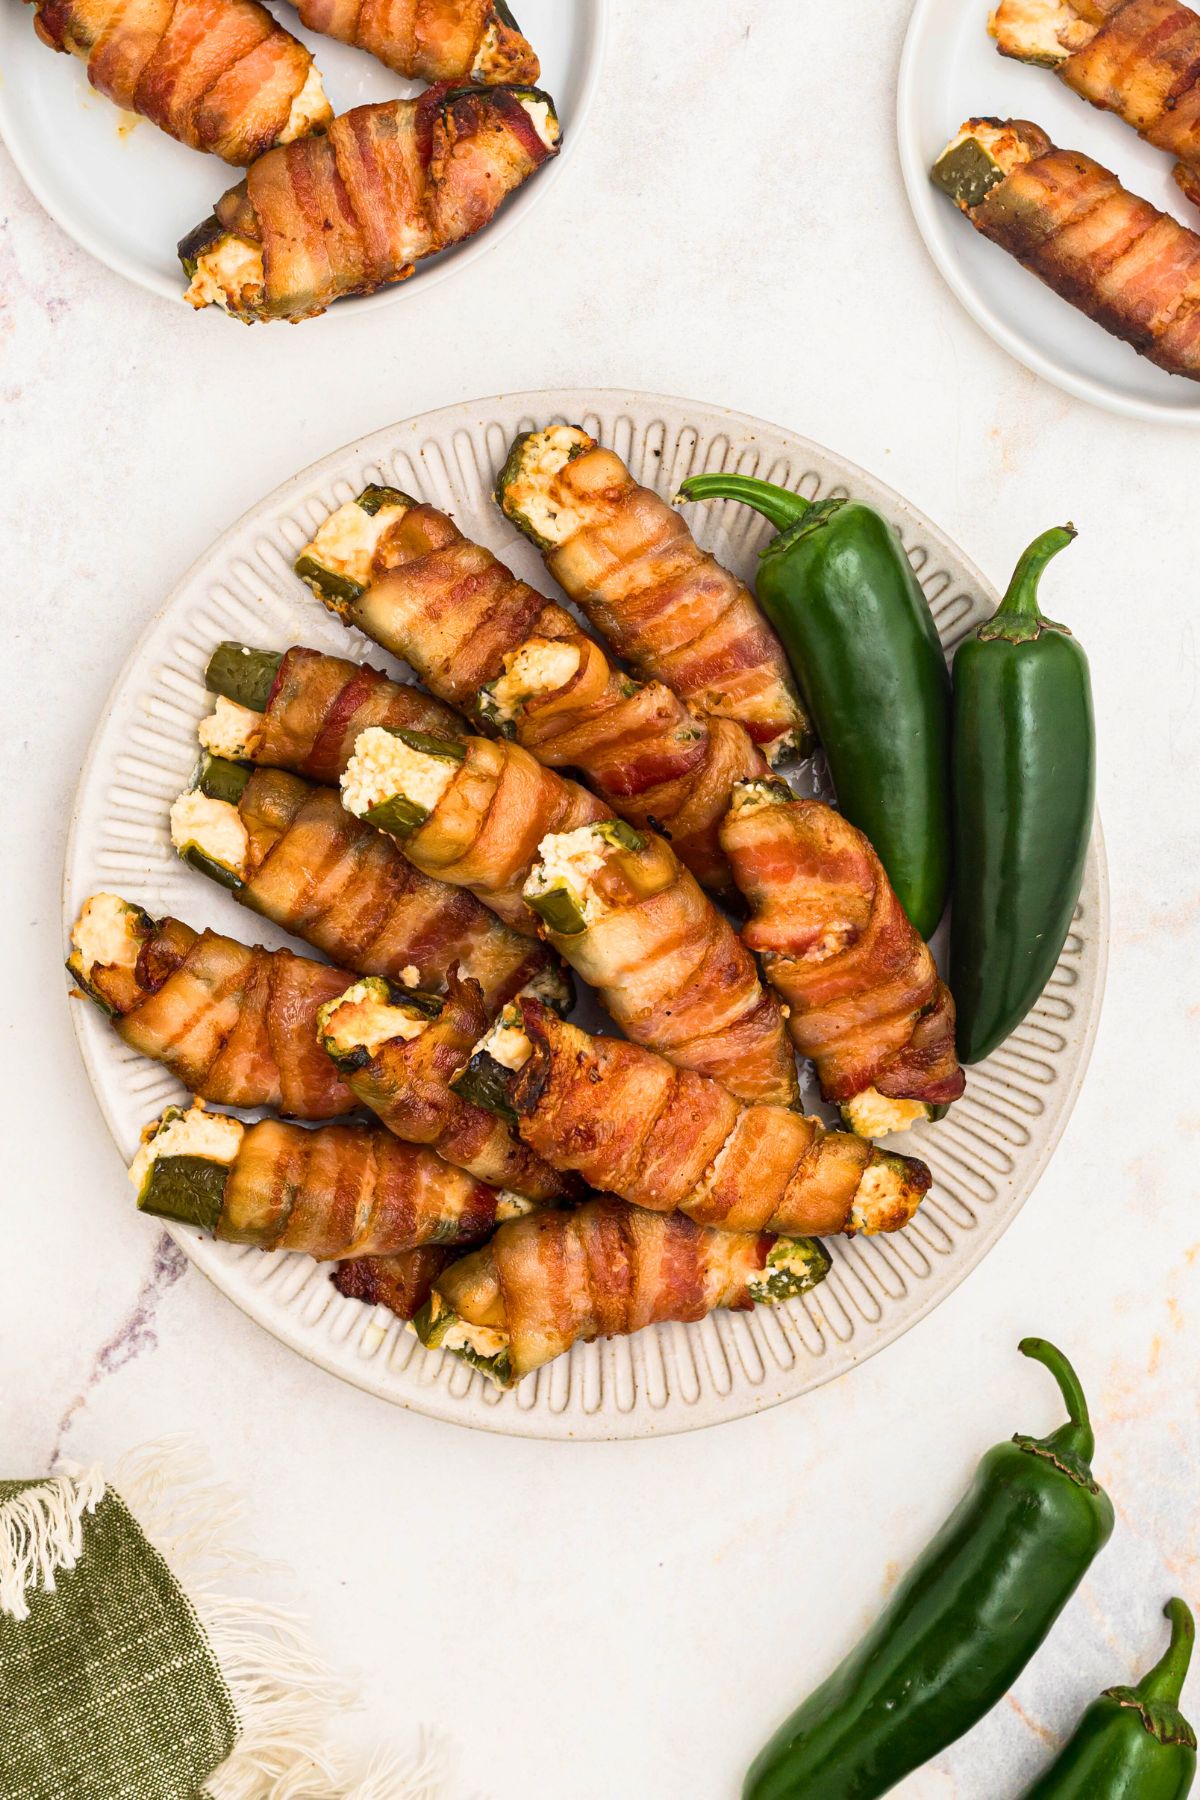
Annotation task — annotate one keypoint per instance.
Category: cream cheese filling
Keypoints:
(213, 827)
(346, 543)
(229, 730)
(1039, 31)
(229, 275)
(570, 860)
(384, 766)
(533, 490)
(309, 108)
(365, 1017)
(540, 666)
(506, 1043)
(106, 934)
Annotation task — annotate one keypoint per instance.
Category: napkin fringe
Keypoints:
(41, 1535)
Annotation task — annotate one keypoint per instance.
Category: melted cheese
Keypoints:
(365, 1017)
(506, 1043)
(545, 119)
(481, 1340)
(347, 541)
(570, 860)
(384, 766)
(193, 1133)
(533, 490)
(213, 827)
(229, 275)
(1039, 31)
(229, 730)
(880, 1198)
(872, 1114)
(512, 1206)
(786, 1259)
(539, 667)
(106, 934)
(309, 108)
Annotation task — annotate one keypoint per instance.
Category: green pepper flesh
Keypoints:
(243, 675)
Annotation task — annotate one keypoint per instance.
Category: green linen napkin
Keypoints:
(128, 1673)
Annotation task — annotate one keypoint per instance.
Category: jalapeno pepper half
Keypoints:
(1024, 771)
(961, 1627)
(1133, 1743)
(840, 591)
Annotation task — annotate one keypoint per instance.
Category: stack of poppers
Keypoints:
(330, 207)
(520, 1184)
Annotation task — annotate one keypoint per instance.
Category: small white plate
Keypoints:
(127, 193)
(951, 71)
(986, 1156)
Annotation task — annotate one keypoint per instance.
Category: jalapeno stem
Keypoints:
(1165, 1680)
(1018, 616)
(1075, 1438)
(780, 505)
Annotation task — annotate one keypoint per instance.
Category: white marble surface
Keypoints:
(590, 1620)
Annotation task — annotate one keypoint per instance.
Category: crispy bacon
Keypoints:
(605, 1270)
(319, 704)
(406, 1083)
(672, 972)
(402, 1283)
(346, 889)
(863, 996)
(430, 40)
(1143, 63)
(347, 1191)
(219, 75)
(664, 1138)
(1134, 270)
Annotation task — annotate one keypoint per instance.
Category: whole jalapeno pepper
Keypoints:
(1133, 1743)
(962, 1625)
(841, 593)
(1024, 789)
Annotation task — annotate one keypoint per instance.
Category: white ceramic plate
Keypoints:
(986, 1156)
(127, 193)
(951, 71)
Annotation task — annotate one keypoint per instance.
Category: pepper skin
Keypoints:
(961, 1627)
(1132, 1743)
(840, 591)
(1024, 768)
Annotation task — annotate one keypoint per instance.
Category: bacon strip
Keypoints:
(218, 75)
(347, 1191)
(429, 40)
(863, 995)
(319, 705)
(672, 1141)
(1134, 270)
(346, 889)
(605, 1270)
(402, 1283)
(406, 1084)
(1144, 64)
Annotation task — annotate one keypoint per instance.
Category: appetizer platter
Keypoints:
(1065, 135)
(593, 1076)
(195, 150)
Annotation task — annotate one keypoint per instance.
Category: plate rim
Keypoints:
(922, 200)
(595, 27)
(538, 1423)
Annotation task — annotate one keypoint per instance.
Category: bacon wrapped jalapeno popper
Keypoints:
(486, 642)
(632, 1124)
(219, 75)
(357, 207)
(330, 1191)
(1131, 268)
(471, 813)
(397, 1051)
(230, 1021)
(624, 912)
(863, 996)
(604, 1270)
(291, 852)
(430, 40)
(668, 608)
(1137, 58)
(302, 710)
(403, 1283)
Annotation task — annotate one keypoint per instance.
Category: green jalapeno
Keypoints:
(840, 591)
(188, 1189)
(1133, 1743)
(961, 1626)
(1024, 764)
(242, 674)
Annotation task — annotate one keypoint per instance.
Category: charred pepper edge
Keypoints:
(486, 1083)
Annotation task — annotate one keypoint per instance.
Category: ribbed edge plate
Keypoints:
(986, 1157)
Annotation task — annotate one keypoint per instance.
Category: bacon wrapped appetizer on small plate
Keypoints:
(230, 1021)
(303, 709)
(355, 209)
(1113, 256)
(487, 643)
(603, 1270)
(632, 1124)
(218, 75)
(290, 851)
(669, 609)
(430, 40)
(331, 1191)
(397, 1052)
(1139, 59)
(863, 996)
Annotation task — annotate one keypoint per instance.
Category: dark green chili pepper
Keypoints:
(242, 674)
(1024, 788)
(962, 1625)
(1133, 1743)
(840, 591)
